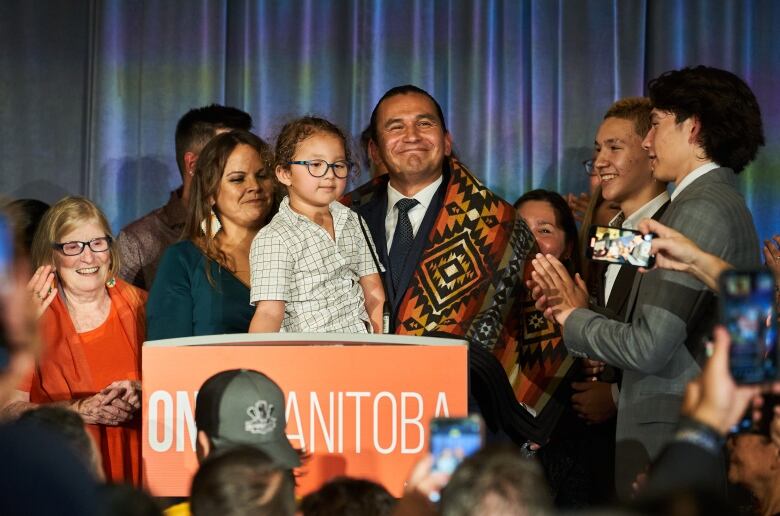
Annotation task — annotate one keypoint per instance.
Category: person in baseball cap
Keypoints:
(243, 407)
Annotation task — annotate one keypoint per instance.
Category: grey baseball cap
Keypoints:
(245, 407)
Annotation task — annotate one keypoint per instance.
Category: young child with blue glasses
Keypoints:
(313, 267)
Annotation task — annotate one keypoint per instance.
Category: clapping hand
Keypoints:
(555, 292)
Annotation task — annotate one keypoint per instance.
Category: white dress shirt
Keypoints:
(631, 222)
(416, 214)
(295, 260)
(693, 176)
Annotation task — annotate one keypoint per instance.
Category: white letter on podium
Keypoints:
(377, 446)
(413, 421)
(167, 440)
(292, 411)
(441, 406)
(314, 407)
(357, 395)
(184, 421)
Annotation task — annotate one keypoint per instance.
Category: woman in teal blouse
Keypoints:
(202, 283)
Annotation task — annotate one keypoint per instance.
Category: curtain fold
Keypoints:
(90, 91)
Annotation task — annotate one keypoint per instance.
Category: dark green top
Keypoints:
(182, 303)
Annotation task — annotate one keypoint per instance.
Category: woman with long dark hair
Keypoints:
(202, 284)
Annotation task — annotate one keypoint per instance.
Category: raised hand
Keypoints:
(42, 289)
(560, 293)
(424, 480)
(674, 251)
(578, 204)
(772, 256)
(714, 398)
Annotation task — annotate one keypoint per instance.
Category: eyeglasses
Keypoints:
(588, 164)
(96, 245)
(319, 167)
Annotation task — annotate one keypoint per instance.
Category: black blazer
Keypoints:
(617, 307)
(374, 213)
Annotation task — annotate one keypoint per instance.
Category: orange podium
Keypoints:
(359, 405)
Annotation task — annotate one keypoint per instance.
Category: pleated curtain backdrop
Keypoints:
(90, 91)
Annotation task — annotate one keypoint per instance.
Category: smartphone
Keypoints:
(747, 309)
(451, 441)
(6, 282)
(620, 246)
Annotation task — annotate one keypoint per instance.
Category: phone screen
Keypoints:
(452, 440)
(748, 312)
(620, 246)
(6, 264)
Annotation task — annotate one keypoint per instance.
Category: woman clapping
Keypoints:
(92, 327)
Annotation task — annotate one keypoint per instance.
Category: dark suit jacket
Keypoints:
(374, 213)
(617, 307)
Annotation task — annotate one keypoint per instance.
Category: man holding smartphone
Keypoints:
(623, 167)
(706, 127)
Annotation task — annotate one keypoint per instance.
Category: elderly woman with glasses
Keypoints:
(92, 328)
(202, 284)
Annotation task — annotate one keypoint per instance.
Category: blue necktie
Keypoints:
(402, 239)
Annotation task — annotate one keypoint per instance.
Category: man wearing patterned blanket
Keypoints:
(454, 252)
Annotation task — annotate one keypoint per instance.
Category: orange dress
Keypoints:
(75, 365)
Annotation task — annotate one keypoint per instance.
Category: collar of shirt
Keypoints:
(647, 210)
(338, 211)
(416, 214)
(693, 176)
(174, 213)
(424, 196)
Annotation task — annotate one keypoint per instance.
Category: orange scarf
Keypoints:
(63, 373)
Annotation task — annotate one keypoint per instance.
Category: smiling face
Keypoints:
(541, 219)
(671, 146)
(622, 164)
(309, 194)
(86, 272)
(245, 193)
(411, 141)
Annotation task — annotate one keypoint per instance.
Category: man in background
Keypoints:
(141, 243)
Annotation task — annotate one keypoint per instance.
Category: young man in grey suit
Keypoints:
(706, 127)
(627, 179)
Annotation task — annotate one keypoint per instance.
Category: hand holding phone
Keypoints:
(758, 419)
(451, 441)
(620, 246)
(747, 309)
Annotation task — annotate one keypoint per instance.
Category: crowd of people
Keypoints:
(634, 406)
